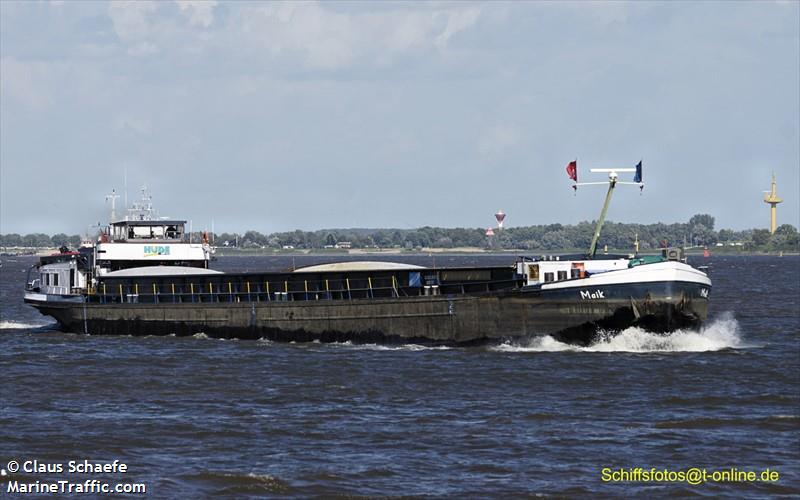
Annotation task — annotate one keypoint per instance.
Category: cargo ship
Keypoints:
(143, 276)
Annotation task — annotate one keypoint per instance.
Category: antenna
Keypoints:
(142, 210)
(125, 183)
(113, 197)
(613, 175)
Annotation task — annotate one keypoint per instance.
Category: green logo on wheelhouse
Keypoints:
(156, 250)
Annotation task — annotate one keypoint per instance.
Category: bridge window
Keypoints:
(156, 231)
(146, 232)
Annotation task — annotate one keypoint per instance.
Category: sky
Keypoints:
(305, 115)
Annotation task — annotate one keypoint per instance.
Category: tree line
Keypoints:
(698, 231)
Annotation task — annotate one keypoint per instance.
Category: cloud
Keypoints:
(133, 25)
(357, 96)
(457, 21)
(291, 36)
(25, 81)
(199, 12)
(138, 126)
(327, 39)
(497, 139)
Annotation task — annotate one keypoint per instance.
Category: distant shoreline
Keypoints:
(450, 251)
(558, 238)
(316, 252)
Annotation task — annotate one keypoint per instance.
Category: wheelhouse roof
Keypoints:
(160, 222)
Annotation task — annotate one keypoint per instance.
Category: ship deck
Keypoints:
(305, 286)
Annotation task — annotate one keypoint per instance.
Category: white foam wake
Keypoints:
(18, 325)
(385, 347)
(401, 347)
(722, 333)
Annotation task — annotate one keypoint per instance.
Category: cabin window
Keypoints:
(46, 279)
(72, 278)
(548, 277)
(578, 270)
(55, 279)
(533, 272)
(562, 275)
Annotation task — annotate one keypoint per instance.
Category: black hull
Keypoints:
(574, 315)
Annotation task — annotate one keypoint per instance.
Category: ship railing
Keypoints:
(284, 291)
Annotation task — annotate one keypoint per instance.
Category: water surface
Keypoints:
(196, 417)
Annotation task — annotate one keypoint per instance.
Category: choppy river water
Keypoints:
(194, 417)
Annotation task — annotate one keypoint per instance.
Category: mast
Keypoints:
(142, 210)
(125, 182)
(113, 197)
(612, 183)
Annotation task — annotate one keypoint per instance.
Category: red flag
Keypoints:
(572, 170)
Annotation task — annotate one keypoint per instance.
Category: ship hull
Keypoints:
(575, 313)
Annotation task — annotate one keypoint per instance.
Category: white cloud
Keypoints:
(133, 24)
(497, 139)
(457, 21)
(326, 39)
(142, 49)
(199, 12)
(361, 94)
(605, 14)
(309, 35)
(139, 126)
(25, 81)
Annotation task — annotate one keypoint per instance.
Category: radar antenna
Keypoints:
(142, 210)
